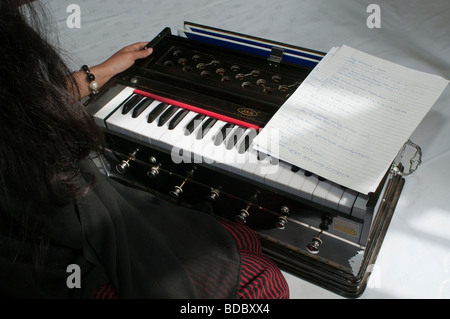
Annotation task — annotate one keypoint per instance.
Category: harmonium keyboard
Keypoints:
(180, 124)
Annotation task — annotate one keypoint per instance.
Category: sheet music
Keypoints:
(347, 121)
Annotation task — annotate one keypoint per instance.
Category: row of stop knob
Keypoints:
(215, 193)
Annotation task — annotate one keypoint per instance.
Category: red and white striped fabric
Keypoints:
(260, 276)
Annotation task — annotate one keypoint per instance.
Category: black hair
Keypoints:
(44, 131)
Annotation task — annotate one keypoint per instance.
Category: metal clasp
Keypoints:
(414, 161)
(276, 56)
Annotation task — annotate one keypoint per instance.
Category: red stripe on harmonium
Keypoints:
(197, 109)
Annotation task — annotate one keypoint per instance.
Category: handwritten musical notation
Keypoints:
(350, 117)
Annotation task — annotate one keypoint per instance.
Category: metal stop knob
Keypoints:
(154, 171)
(241, 217)
(125, 164)
(313, 248)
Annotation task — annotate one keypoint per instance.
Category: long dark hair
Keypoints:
(44, 131)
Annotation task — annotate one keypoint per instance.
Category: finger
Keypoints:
(135, 47)
(140, 54)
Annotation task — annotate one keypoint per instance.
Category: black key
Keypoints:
(141, 107)
(157, 111)
(128, 106)
(223, 133)
(177, 118)
(246, 144)
(234, 139)
(125, 101)
(307, 173)
(261, 155)
(295, 169)
(167, 115)
(194, 123)
(248, 139)
(206, 127)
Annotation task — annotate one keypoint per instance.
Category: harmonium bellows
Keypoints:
(181, 123)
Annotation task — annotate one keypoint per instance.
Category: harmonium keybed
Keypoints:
(181, 123)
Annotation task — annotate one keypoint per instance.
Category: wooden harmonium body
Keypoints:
(180, 124)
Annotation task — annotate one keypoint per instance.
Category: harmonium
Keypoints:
(180, 124)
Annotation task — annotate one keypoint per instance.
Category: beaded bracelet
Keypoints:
(93, 85)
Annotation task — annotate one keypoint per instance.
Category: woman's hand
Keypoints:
(118, 62)
(123, 59)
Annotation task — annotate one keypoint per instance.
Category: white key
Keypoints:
(321, 191)
(124, 123)
(347, 200)
(168, 137)
(334, 196)
(330, 196)
(308, 187)
(160, 131)
(109, 107)
(360, 206)
(284, 178)
(205, 149)
(240, 154)
(181, 148)
(226, 152)
(241, 151)
(143, 130)
(277, 169)
(251, 163)
(268, 165)
(296, 182)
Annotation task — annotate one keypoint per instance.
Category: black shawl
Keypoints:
(145, 246)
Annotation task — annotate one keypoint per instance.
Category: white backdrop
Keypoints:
(414, 261)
